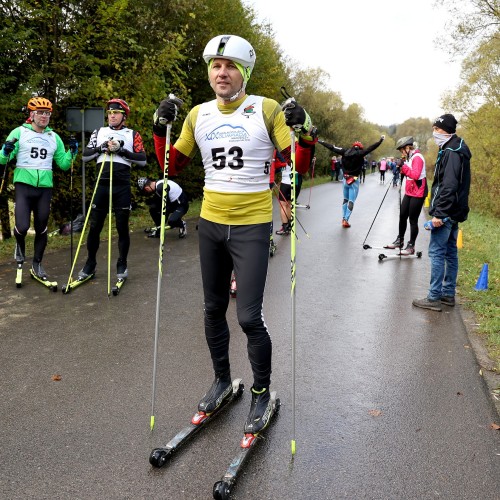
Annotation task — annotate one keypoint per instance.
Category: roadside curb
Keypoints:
(489, 371)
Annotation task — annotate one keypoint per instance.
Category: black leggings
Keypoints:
(174, 211)
(410, 209)
(28, 199)
(246, 249)
(99, 211)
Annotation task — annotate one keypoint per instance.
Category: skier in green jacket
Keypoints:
(35, 146)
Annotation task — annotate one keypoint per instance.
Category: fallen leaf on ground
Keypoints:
(496, 427)
(56, 378)
(375, 413)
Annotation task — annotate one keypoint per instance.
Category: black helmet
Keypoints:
(404, 141)
(142, 182)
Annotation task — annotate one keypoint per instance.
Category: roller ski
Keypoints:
(233, 289)
(155, 231)
(400, 255)
(19, 256)
(118, 286)
(19, 275)
(252, 434)
(86, 274)
(272, 248)
(38, 274)
(121, 275)
(217, 398)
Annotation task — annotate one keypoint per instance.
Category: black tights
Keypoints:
(246, 250)
(37, 200)
(410, 209)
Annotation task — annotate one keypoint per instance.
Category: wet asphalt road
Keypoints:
(390, 404)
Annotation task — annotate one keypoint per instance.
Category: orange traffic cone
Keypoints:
(482, 281)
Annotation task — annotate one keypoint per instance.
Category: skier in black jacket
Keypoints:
(352, 163)
(449, 206)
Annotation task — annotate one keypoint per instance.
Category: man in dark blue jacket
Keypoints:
(449, 206)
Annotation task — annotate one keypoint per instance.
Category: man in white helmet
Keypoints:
(236, 134)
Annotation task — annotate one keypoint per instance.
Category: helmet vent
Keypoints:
(222, 45)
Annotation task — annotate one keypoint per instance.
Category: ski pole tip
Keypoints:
(293, 446)
(152, 422)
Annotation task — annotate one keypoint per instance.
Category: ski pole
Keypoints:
(71, 206)
(85, 225)
(366, 247)
(160, 268)
(400, 257)
(292, 282)
(313, 164)
(110, 213)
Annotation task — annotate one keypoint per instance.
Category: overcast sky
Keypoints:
(359, 42)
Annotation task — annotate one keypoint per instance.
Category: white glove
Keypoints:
(382, 137)
(114, 145)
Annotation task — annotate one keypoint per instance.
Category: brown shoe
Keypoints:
(433, 305)
(448, 301)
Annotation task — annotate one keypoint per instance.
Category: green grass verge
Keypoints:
(481, 244)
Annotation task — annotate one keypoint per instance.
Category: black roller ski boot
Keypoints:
(38, 274)
(88, 270)
(121, 269)
(261, 411)
(121, 276)
(220, 390)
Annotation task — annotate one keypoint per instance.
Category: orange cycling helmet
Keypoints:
(39, 103)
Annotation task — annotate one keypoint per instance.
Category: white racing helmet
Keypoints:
(231, 47)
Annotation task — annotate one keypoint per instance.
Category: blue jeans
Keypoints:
(444, 261)
(350, 195)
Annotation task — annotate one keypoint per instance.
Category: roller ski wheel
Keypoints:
(51, 285)
(221, 490)
(160, 456)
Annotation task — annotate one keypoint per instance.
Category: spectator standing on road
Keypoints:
(352, 163)
(35, 146)
(449, 206)
(382, 168)
(119, 147)
(236, 134)
(415, 193)
(176, 206)
(332, 167)
(363, 171)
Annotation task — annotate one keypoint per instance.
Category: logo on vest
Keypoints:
(229, 133)
(248, 111)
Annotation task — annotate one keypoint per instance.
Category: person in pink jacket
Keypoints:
(415, 193)
(382, 166)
